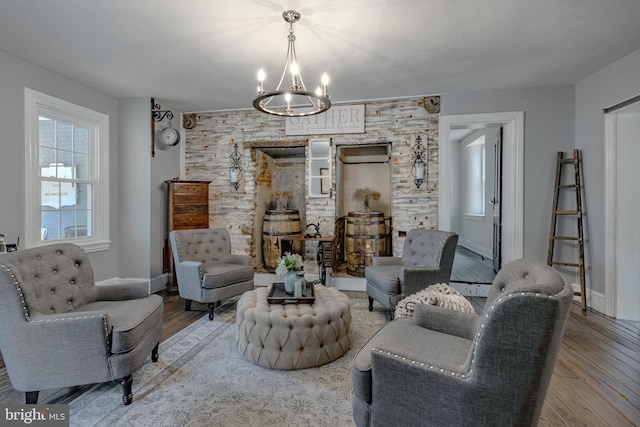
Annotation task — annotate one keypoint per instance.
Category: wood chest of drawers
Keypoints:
(187, 208)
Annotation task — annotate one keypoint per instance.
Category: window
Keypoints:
(320, 177)
(66, 173)
(475, 158)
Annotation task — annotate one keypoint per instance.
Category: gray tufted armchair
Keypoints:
(206, 270)
(427, 259)
(61, 330)
(449, 368)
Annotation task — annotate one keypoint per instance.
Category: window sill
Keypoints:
(89, 245)
(474, 217)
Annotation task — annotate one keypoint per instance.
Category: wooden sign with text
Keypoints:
(338, 119)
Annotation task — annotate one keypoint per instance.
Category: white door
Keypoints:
(627, 259)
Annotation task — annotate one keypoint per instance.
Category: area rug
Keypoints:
(201, 379)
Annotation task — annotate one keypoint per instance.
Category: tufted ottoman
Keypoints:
(293, 336)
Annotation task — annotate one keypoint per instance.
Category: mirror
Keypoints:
(320, 171)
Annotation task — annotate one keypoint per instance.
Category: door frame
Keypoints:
(610, 207)
(496, 201)
(512, 172)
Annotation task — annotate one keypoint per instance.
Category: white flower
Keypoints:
(289, 262)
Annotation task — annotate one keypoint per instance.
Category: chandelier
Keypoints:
(295, 100)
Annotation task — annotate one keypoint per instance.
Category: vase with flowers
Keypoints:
(288, 265)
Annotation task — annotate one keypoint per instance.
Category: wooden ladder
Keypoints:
(575, 161)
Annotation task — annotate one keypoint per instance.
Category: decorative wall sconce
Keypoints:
(418, 162)
(235, 170)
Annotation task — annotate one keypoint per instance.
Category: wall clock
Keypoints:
(169, 136)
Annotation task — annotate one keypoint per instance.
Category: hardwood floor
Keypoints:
(596, 380)
(470, 267)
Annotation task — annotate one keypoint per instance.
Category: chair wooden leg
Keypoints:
(370, 304)
(211, 306)
(31, 397)
(126, 383)
(187, 305)
(154, 353)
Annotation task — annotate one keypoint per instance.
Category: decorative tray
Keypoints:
(277, 295)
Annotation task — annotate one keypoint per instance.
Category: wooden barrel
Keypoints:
(365, 237)
(276, 225)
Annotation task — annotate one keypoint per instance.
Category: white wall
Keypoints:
(133, 187)
(15, 75)
(164, 166)
(613, 84)
(142, 192)
(371, 175)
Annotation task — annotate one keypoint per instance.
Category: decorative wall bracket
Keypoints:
(157, 115)
(418, 161)
(235, 168)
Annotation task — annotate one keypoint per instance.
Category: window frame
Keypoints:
(37, 104)
(323, 179)
(476, 153)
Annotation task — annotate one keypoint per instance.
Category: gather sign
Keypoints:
(338, 119)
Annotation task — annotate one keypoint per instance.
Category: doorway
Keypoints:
(362, 229)
(511, 241)
(622, 203)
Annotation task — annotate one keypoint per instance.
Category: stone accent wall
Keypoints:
(207, 147)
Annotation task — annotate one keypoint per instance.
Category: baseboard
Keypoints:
(595, 300)
(348, 283)
(122, 281)
(158, 283)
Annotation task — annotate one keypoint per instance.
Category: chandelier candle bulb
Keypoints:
(325, 83)
(261, 77)
(295, 70)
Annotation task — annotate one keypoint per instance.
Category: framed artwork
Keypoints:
(325, 183)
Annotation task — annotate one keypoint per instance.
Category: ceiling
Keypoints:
(202, 55)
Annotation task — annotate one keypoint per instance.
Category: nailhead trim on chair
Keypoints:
(179, 249)
(475, 345)
(19, 289)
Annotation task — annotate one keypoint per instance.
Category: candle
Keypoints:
(297, 289)
(419, 170)
(261, 77)
(325, 82)
(287, 97)
(233, 174)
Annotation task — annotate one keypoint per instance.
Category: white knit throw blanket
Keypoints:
(438, 294)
